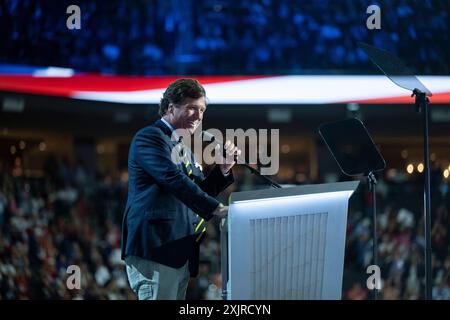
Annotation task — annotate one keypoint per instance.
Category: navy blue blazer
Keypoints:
(165, 205)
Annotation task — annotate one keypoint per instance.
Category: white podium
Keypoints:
(286, 243)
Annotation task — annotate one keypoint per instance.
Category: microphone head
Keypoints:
(208, 136)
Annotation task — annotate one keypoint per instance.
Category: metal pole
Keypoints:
(372, 182)
(427, 199)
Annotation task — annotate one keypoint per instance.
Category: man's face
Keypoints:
(188, 114)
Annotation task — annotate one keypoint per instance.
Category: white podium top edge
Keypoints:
(294, 191)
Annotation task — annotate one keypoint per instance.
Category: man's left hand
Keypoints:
(232, 152)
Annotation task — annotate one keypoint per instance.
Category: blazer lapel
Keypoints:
(188, 163)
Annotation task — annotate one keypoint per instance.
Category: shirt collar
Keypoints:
(174, 135)
(167, 124)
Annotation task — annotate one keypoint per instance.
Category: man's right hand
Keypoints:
(221, 211)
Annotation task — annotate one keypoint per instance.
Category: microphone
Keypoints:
(211, 138)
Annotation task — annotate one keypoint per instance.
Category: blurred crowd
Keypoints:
(69, 216)
(214, 37)
(401, 239)
(51, 222)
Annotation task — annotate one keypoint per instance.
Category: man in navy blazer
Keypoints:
(170, 202)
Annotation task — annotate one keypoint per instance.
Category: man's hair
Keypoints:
(179, 90)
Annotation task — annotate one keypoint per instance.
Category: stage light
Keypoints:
(353, 107)
(13, 149)
(404, 153)
(420, 167)
(42, 146)
(446, 173)
(410, 168)
(285, 148)
(391, 173)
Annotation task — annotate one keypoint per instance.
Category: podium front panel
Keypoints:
(287, 247)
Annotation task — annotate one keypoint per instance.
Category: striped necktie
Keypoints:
(185, 155)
